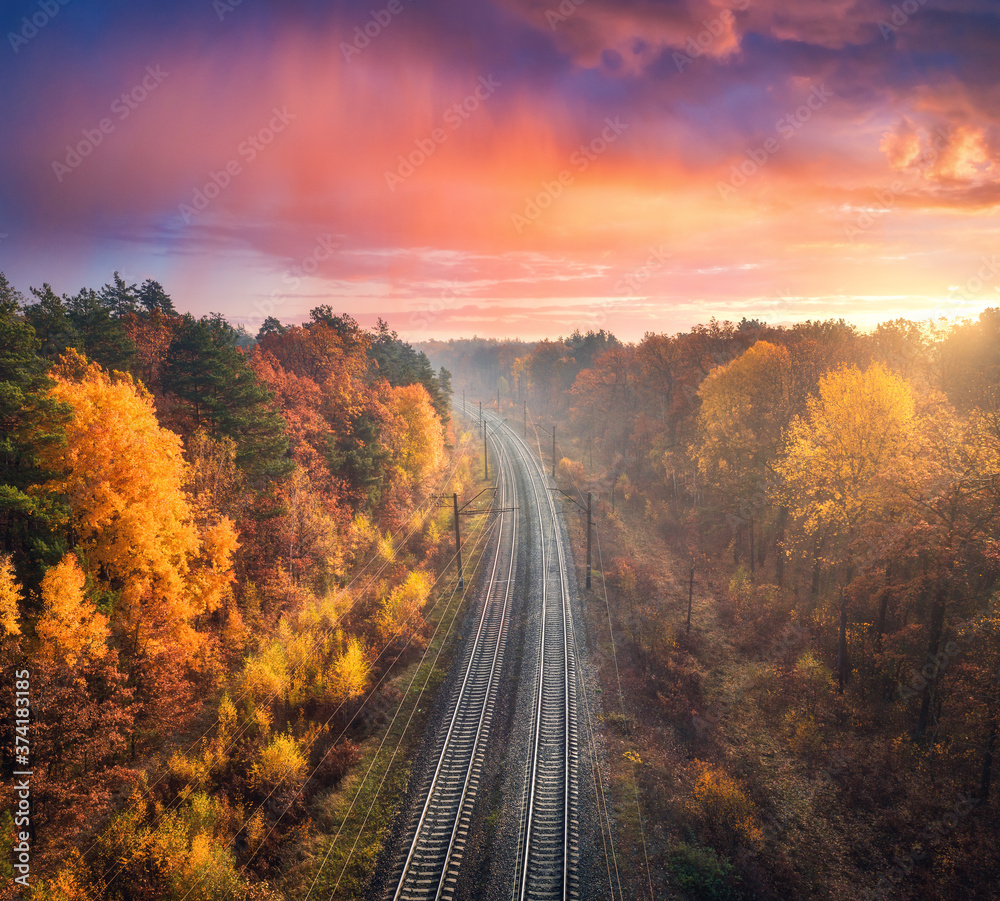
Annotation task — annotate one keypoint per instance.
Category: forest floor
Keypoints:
(700, 753)
(352, 821)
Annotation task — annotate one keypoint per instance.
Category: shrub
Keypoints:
(701, 874)
(281, 763)
(814, 679)
(571, 472)
(210, 874)
(265, 675)
(70, 882)
(187, 773)
(203, 814)
(334, 763)
(349, 675)
(756, 607)
(804, 736)
(724, 811)
(399, 616)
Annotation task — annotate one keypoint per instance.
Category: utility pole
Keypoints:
(461, 511)
(690, 595)
(480, 413)
(458, 544)
(486, 459)
(498, 401)
(525, 419)
(590, 523)
(553, 450)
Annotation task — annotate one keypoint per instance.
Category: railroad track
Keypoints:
(440, 832)
(547, 847)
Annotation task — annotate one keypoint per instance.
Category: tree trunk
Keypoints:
(779, 564)
(843, 666)
(816, 568)
(880, 629)
(984, 785)
(934, 642)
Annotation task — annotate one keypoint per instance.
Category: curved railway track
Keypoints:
(439, 834)
(547, 851)
(548, 848)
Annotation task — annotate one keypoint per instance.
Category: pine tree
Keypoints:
(214, 388)
(31, 424)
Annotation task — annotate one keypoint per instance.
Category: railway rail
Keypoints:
(429, 861)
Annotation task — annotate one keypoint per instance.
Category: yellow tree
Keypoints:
(399, 614)
(857, 432)
(10, 597)
(349, 675)
(745, 409)
(124, 477)
(421, 444)
(70, 628)
(952, 491)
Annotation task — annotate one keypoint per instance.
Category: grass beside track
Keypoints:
(354, 819)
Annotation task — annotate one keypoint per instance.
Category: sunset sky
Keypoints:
(514, 168)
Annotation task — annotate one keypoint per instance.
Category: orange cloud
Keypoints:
(901, 146)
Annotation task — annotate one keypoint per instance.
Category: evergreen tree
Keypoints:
(212, 387)
(102, 337)
(30, 422)
(49, 318)
(401, 365)
(120, 298)
(361, 458)
(152, 297)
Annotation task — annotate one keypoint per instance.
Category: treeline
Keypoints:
(845, 488)
(181, 507)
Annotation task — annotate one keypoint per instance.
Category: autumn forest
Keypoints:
(824, 722)
(181, 508)
(225, 561)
